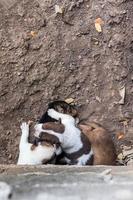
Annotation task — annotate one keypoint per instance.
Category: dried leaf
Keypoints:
(98, 99)
(33, 33)
(120, 135)
(120, 157)
(69, 100)
(128, 156)
(99, 21)
(98, 24)
(122, 92)
(98, 27)
(58, 9)
(127, 152)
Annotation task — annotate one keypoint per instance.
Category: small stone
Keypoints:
(19, 73)
(77, 86)
(59, 69)
(22, 69)
(10, 157)
(96, 42)
(124, 12)
(8, 132)
(21, 11)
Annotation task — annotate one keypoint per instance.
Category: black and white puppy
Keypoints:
(61, 107)
(75, 145)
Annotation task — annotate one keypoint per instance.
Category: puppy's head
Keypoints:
(94, 132)
(49, 139)
(48, 149)
(52, 126)
(101, 142)
(63, 107)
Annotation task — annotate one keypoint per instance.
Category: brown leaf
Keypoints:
(33, 33)
(98, 24)
(122, 92)
(120, 135)
(69, 100)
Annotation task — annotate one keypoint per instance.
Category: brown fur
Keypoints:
(56, 127)
(42, 142)
(102, 144)
(50, 139)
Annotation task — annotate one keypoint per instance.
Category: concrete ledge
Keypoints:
(16, 169)
(68, 182)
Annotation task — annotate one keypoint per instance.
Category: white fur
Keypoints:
(70, 139)
(35, 157)
(82, 159)
(72, 136)
(85, 157)
(38, 129)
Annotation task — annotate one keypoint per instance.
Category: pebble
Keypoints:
(19, 73)
(8, 132)
(77, 86)
(10, 157)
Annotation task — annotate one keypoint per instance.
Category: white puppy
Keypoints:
(33, 155)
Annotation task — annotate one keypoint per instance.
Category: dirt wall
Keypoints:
(45, 56)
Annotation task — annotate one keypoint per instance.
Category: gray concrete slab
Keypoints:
(69, 182)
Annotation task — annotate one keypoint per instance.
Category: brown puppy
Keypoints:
(102, 144)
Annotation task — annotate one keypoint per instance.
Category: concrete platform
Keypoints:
(67, 182)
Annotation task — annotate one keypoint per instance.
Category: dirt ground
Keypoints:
(46, 56)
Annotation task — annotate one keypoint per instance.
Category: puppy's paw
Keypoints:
(30, 122)
(38, 130)
(24, 126)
